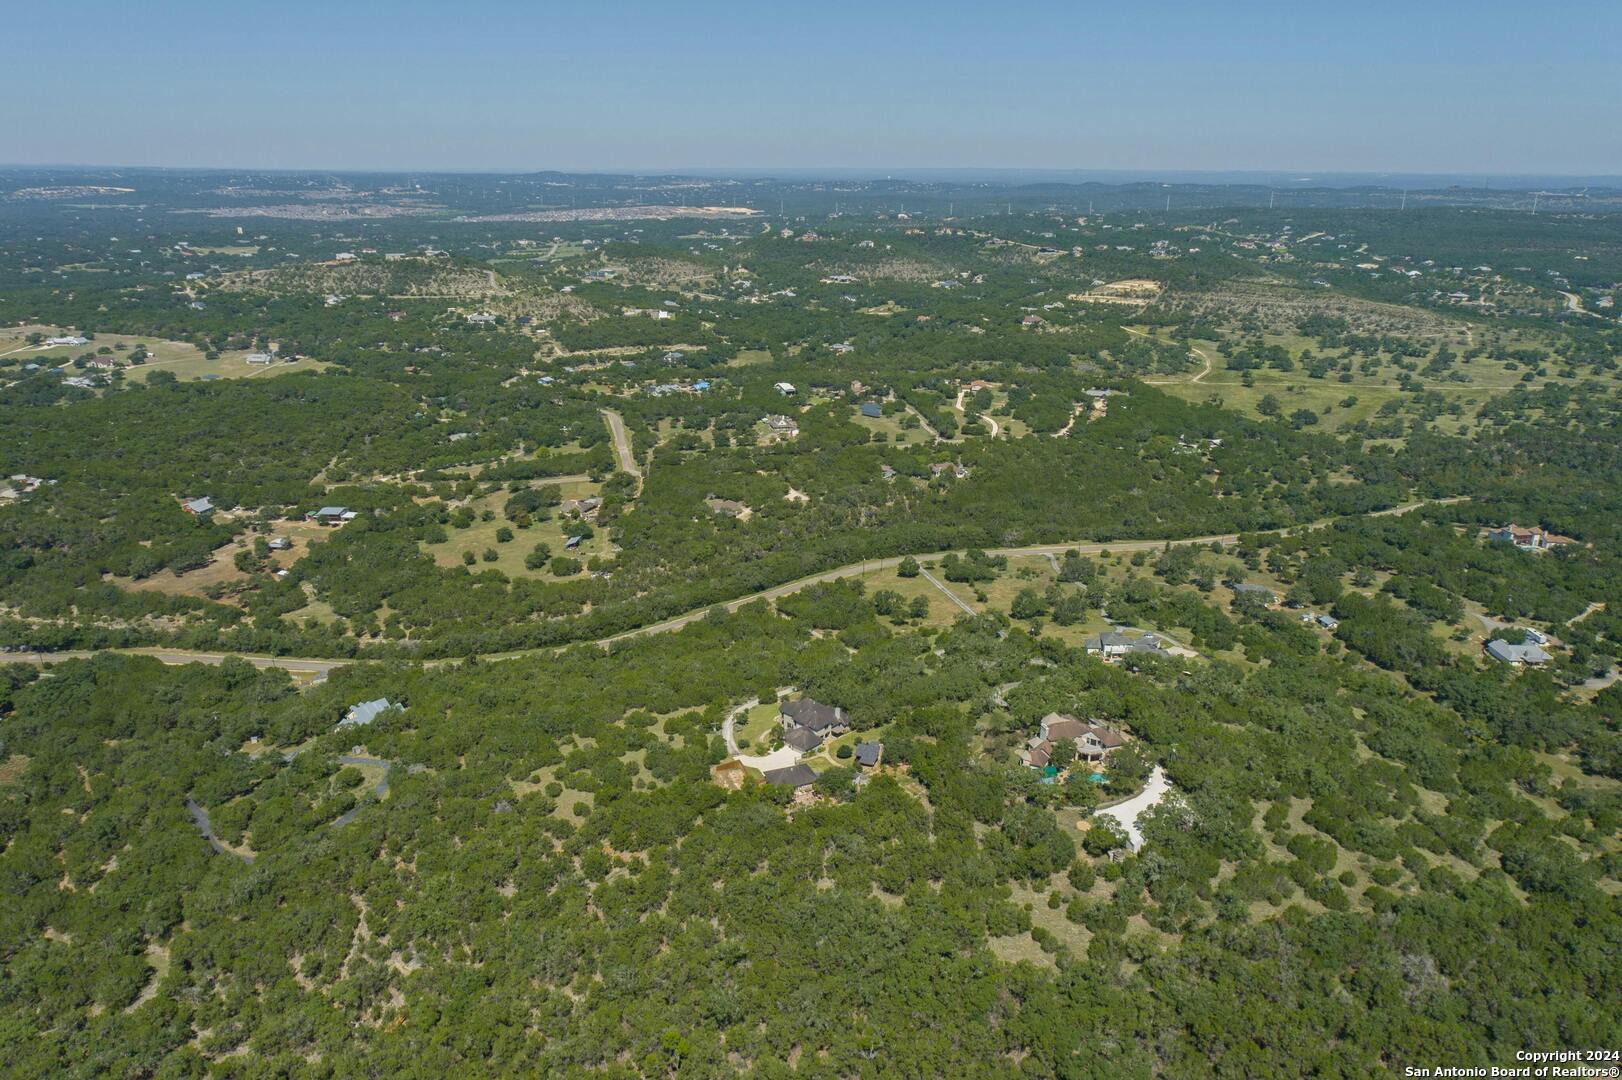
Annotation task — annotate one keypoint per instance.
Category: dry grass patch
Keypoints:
(481, 535)
(11, 770)
(1021, 947)
(185, 361)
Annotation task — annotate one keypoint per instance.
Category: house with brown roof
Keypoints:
(1097, 742)
(584, 507)
(728, 507)
(1056, 726)
(1093, 741)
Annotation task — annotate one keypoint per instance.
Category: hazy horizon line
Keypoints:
(1005, 174)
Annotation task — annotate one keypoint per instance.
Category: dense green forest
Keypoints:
(600, 492)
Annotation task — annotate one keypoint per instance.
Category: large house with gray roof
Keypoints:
(1528, 654)
(813, 715)
(1112, 644)
(807, 722)
(333, 515)
(794, 776)
(364, 713)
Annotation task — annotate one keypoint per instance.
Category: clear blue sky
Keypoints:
(1424, 85)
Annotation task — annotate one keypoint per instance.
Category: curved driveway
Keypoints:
(781, 758)
(1126, 814)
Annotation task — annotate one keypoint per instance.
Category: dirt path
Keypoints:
(381, 790)
(1206, 370)
(924, 421)
(1195, 349)
(1085, 406)
(996, 428)
(1597, 605)
(1600, 682)
(950, 595)
(622, 443)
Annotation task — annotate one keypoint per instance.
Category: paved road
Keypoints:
(199, 818)
(321, 666)
(308, 665)
(1126, 814)
(622, 443)
(1575, 303)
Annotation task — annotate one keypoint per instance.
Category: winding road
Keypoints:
(1203, 355)
(996, 428)
(1574, 303)
(322, 665)
(199, 818)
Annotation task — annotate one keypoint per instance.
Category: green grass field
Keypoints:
(941, 610)
(751, 730)
(185, 361)
(1340, 404)
(510, 556)
(891, 428)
